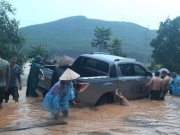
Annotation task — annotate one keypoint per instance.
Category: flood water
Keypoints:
(143, 117)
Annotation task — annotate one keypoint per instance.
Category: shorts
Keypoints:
(155, 94)
(11, 91)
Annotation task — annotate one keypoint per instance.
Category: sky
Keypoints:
(147, 13)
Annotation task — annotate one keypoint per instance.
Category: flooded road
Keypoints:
(143, 117)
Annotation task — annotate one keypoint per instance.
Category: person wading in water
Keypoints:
(166, 81)
(57, 99)
(15, 76)
(157, 87)
(4, 78)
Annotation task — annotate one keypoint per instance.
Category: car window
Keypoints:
(76, 65)
(139, 70)
(112, 72)
(77, 62)
(96, 64)
(127, 69)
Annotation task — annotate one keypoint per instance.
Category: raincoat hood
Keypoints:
(37, 59)
(174, 75)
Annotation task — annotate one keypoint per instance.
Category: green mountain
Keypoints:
(72, 36)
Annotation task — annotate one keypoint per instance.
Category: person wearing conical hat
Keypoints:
(62, 65)
(57, 99)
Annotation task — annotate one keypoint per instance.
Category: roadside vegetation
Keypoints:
(103, 42)
(166, 52)
(11, 41)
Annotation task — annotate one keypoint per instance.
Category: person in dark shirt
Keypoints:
(4, 78)
(15, 76)
(63, 64)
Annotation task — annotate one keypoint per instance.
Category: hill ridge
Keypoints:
(65, 36)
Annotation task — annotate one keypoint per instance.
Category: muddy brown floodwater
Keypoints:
(143, 117)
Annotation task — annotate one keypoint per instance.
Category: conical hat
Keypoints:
(65, 61)
(163, 69)
(69, 75)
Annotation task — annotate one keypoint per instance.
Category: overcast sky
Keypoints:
(147, 13)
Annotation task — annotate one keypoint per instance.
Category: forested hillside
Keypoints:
(72, 36)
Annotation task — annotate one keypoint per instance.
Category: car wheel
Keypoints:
(105, 99)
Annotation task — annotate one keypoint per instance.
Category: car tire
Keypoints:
(105, 99)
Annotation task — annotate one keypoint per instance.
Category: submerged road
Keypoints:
(143, 117)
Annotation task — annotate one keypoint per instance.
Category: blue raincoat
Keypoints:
(175, 84)
(58, 98)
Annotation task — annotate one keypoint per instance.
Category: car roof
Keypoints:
(107, 57)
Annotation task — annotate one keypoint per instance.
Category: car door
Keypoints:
(142, 79)
(128, 82)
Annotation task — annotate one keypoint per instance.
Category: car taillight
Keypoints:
(80, 86)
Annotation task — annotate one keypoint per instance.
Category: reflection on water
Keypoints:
(143, 117)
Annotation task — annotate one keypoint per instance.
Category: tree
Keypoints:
(116, 48)
(167, 45)
(102, 36)
(11, 41)
(38, 50)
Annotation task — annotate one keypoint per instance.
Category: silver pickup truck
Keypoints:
(101, 74)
